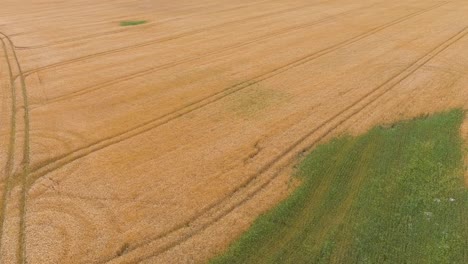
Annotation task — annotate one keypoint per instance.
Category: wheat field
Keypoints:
(158, 131)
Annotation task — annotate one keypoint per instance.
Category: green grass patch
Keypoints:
(127, 23)
(393, 195)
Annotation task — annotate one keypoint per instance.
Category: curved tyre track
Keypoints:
(255, 183)
(8, 170)
(85, 219)
(42, 169)
(26, 159)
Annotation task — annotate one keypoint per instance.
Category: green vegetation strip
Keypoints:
(132, 23)
(393, 195)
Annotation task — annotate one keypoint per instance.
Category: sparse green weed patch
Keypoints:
(132, 23)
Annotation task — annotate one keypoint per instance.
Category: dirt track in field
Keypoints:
(160, 143)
